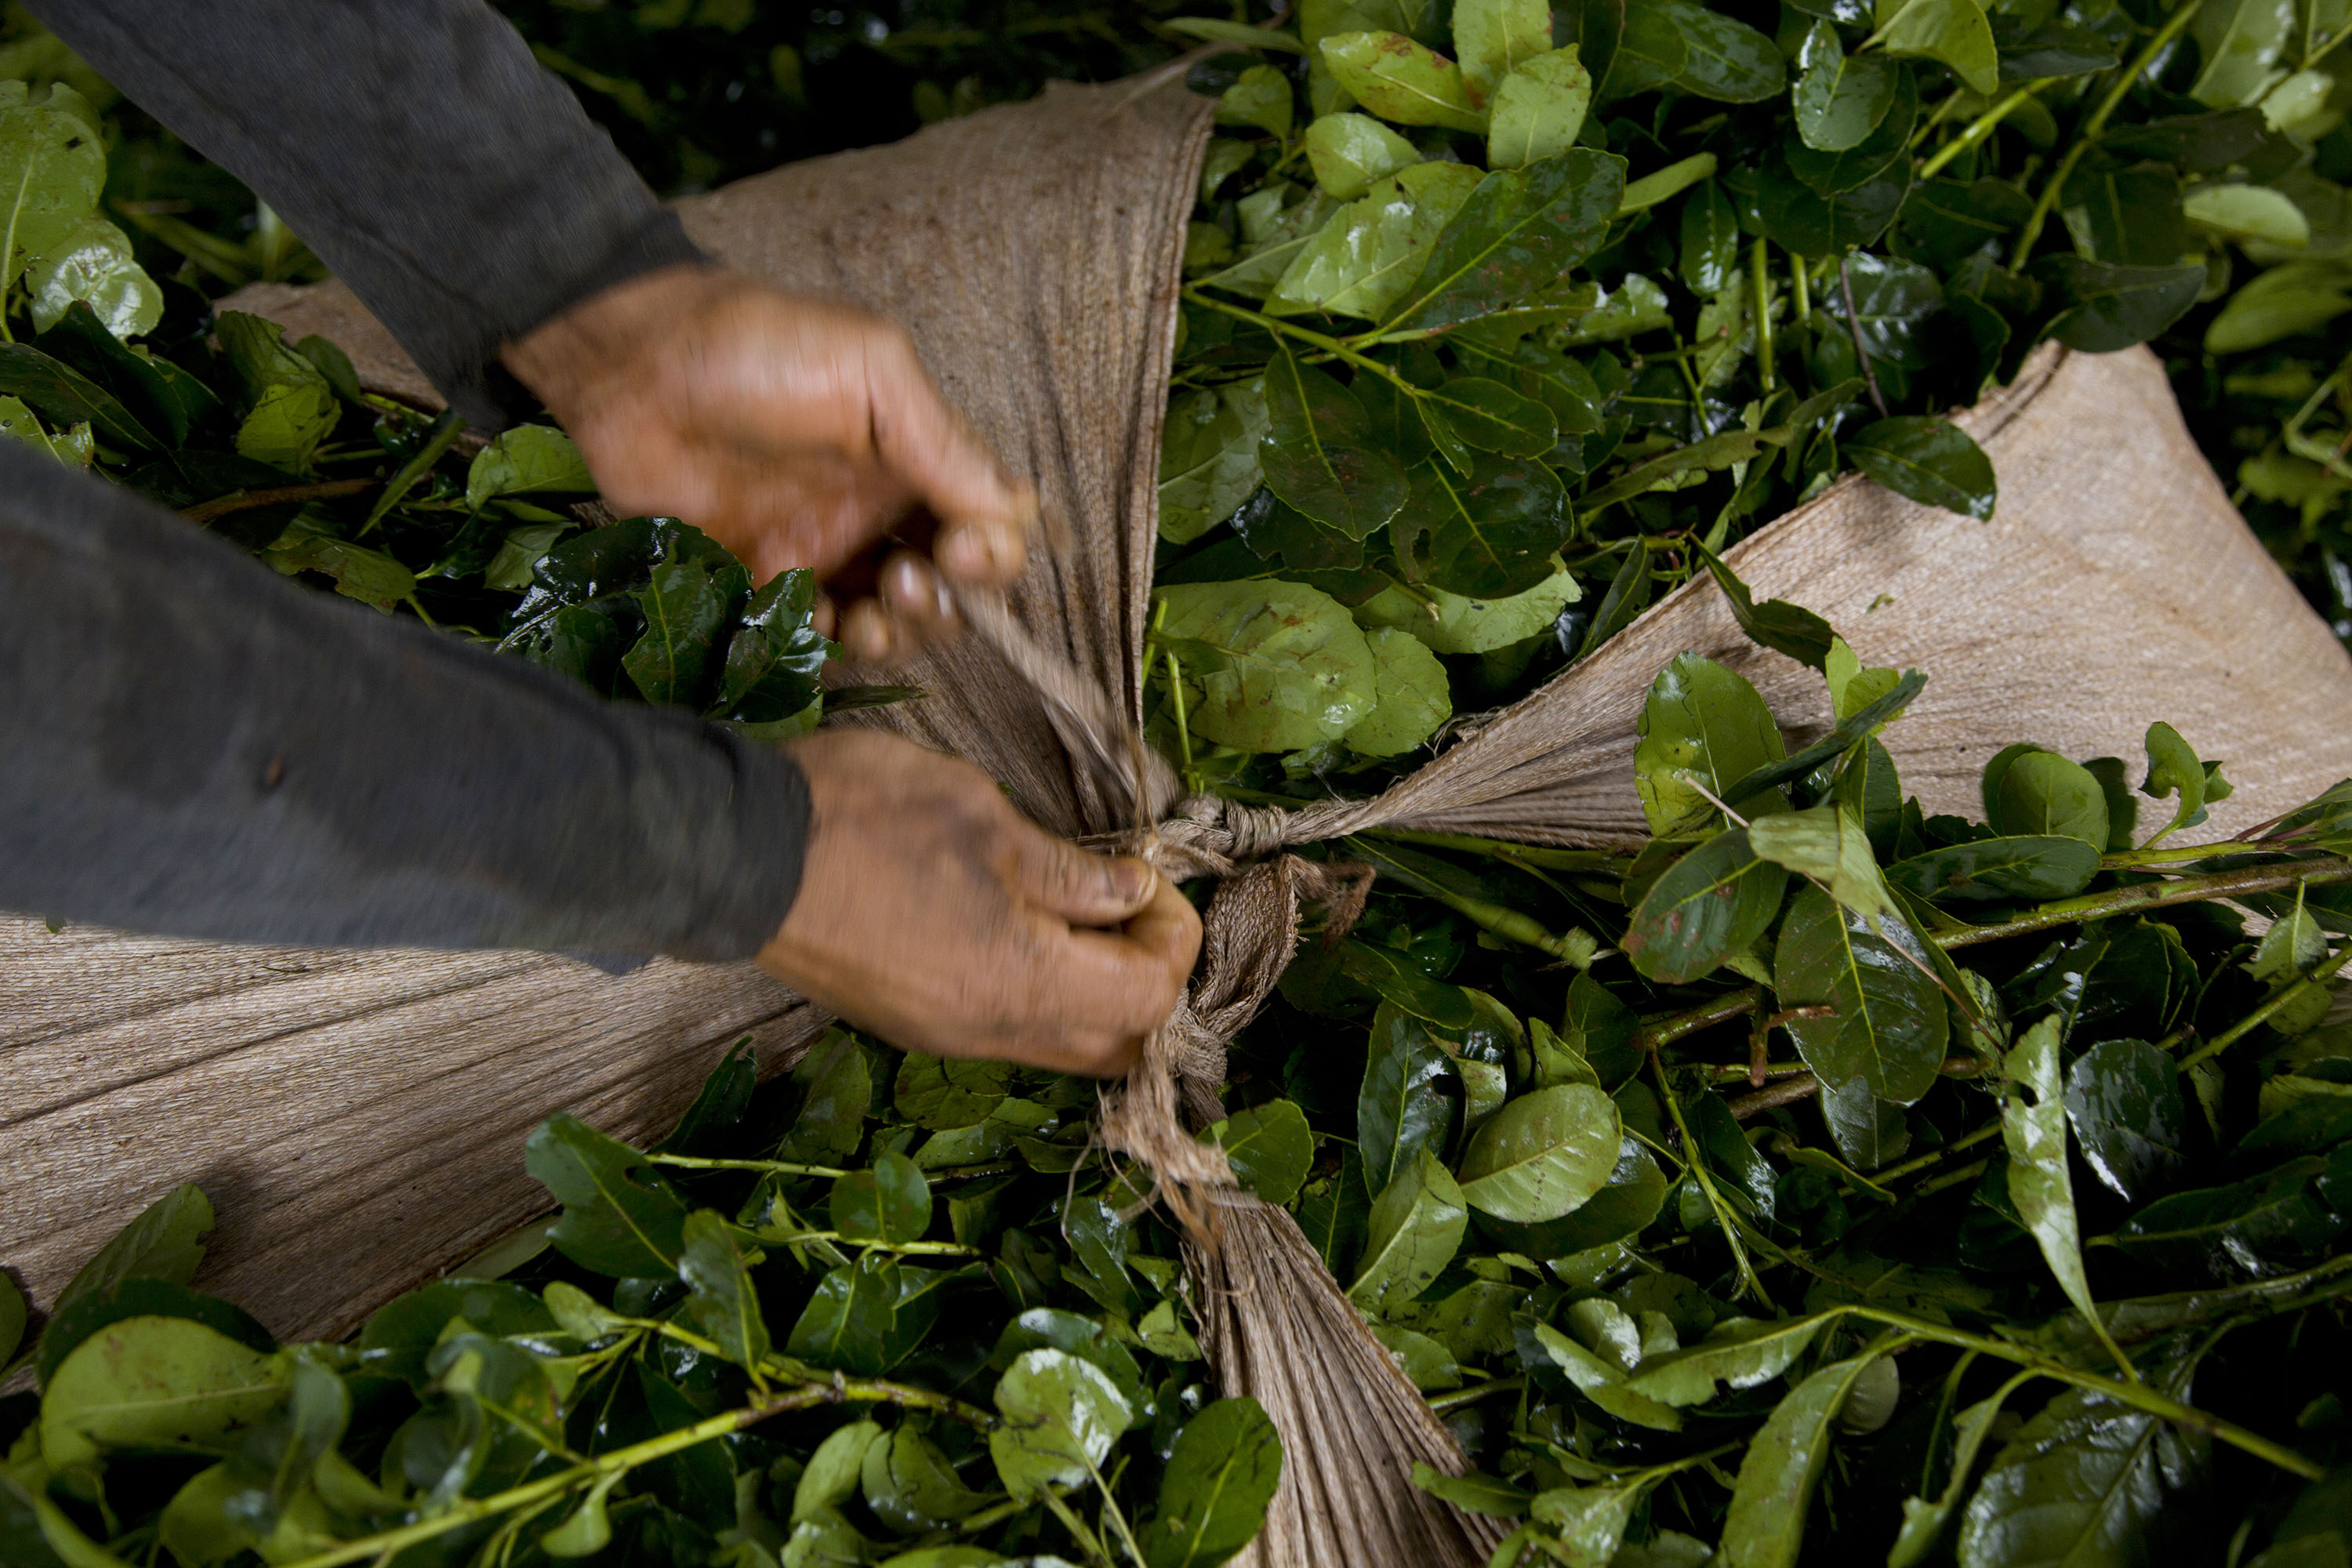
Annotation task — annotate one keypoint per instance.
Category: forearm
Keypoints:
(414, 144)
(190, 745)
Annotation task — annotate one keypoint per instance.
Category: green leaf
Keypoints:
(1491, 532)
(1211, 30)
(1590, 1522)
(1603, 1381)
(2089, 1479)
(1543, 1155)
(1538, 110)
(722, 1306)
(1413, 695)
(1710, 905)
(1261, 97)
(1865, 704)
(2241, 43)
(1840, 99)
(371, 576)
(1402, 81)
(1277, 667)
(165, 1242)
(2173, 768)
(2127, 212)
(588, 1530)
(1766, 1524)
(2110, 307)
(18, 423)
(1932, 461)
(1453, 623)
(1400, 1109)
(154, 1383)
(52, 167)
(1368, 256)
(1415, 1228)
(1890, 1028)
(1776, 624)
(834, 1472)
(620, 1216)
(1710, 240)
(1600, 1030)
(941, 1093)
(1220, 1477)
(400, 1335)
(66, 397)
(1702, 725)
(1955, 32)
(1270, 1147)
(524, 459)
(1924, 1522)
(775, 658)
(1739, 1352)
(1350, 152)
(1061, 1416)
(1826, 844)
(2283, 302)
(93, 265)
(1209, 459)
(1319, 455)
(890, 1203)
(913, 1486)
(686, 608)
(2026, 868)
(2123, 1098)
(1521, 229)
(1494, 38)
(2240, 1227)
(2033, 1131)
(2040, 793)
(291, 406)
(1488, 414)
(1044, 1328)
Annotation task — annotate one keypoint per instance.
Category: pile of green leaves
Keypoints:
(1823, 1178)
(1892, 1187)
(1501, 318)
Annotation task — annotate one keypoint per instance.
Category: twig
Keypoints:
(2319, 976)
(246, 500)
(1804, 1086)
(1853, 326)
(1471, 1396)
(1697, 1166)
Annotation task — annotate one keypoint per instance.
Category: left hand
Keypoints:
(795, 431)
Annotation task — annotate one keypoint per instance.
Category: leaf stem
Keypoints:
(1761, 269)
(1459, 1397)
(2320, 976)
(1854, 327)
(1982, 126)
(2139, 1395)
(1723, 1217)
(2143, 896)
(769, 1167)
(1330, 345)
(246, 500)
(1577, 948)
(443, 434)
(1605, 862)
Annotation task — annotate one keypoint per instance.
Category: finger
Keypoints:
(823, 616)
(1122, 983)
(866, 633)
(985, 516)
(1076, 886)
(917, 602)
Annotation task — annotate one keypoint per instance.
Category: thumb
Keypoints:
(985, 517)
(1076, 885)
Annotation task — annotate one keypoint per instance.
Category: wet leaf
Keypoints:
(621, 1217)
(1457, 623)
(1709, 905)
(1766, 1525)
(1319, 453)
(2112, 307)
(913, 1486)
(1890, 1028)
(1061, 1416)
(1932, 461)
(1538, 108)
(1277, 666)
(2123, 1098)
(1543, 1155)
(1840, 99)
(1402, 81)
(1371, 251)
(2033, 1131)
(1702, 728)
(1518, 230)
(1491, 532)
(1400, 1110)
(1271, 1149)
(1415, 1226)
(1954, 32)
(1220, 1477)
(1413, 700)
(1349, 152)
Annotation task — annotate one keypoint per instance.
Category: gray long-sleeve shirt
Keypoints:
(191, 745)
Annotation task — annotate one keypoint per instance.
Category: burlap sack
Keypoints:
(360, 1115)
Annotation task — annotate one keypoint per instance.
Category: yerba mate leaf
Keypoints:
(1277, 666)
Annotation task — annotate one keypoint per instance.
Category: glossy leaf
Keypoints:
(1349, 152)
(2040, 793)
(1543, 1155)
(1840, 99)
(1932, 461)
(1402, 81)
(1371, 253)
(913, 1486)
(1488, 533)
(1457, 623)
(1400, 1110)
(1413, 697)
(1219, 1479)
(1271, 1149)
(1518, 230)
(1538, 108)
(154, 1382)
(1891, 1026)
(891, 1203)
(1415, 1226)
(2123, 1098)
(1278, 666)
(2026, 868)
(1953, 32)
(1319, 453)
(1701, 727)
(1694, 50)
(1602, 1380)
(1709, 906)
(1766, 1525)
(1494, 38)
(52, 167)
(2033, 1131)
(1061, 1416)
(2089, 1479)
(94, 266)
(621, 1217)
(1739, 1352)
(2112, 307)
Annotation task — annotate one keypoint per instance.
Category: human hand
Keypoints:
(933, 914)
(795, 431)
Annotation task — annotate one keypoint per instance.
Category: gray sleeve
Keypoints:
(190, 745)
(414, 144)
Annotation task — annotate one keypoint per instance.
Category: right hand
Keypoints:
(933, 914)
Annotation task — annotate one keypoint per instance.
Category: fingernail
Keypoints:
(967, 552)
(1130, 881)
(906, 581)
